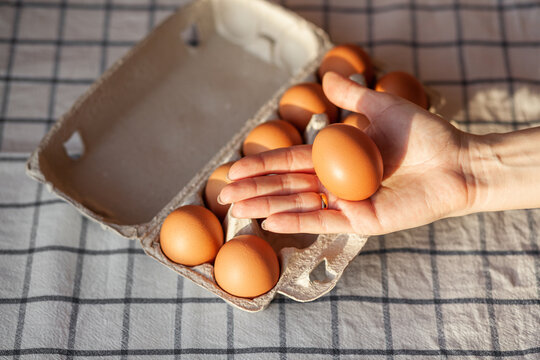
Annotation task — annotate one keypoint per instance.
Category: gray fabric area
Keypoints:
(464, 287)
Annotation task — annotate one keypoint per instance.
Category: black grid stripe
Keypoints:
(462, 69)
(506, 60)
(403, 250)
(152, 15)
(214, 300)
(27, 276)
(326, 15)
(178, 316)
(299, 7)
(68, 42)
(124, 345)
(485, 122)
(334, 313)
(47, 80)
(385, 301)
(380, 42)
(273, 350)
(9, 67)
(36, 203)
(414, 39)
(230, 332)
(56, 63)
(488, 286)
(439, 319)
(105, 43)
(77, 287)
(28, 271)
(428, 82)
(421, 7)
(282, 320)
(97, 6)
(533, 237)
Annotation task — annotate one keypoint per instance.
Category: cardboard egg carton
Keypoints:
(145, 137)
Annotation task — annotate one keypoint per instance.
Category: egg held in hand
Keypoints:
(273, 134)
(246, 266)
(191, 235)
(403, 85)
(347, 162)
(300, 102)
(217, 181)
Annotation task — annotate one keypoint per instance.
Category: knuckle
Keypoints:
(254, 185)
(267, 205)
(260, 161)
(298, 202)
(284, 182)
(289, 157)
(321, 222)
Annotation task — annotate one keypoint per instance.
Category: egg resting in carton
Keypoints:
(143, 158)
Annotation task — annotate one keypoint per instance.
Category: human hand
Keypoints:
(427, 173)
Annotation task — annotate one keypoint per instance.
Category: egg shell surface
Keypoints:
(217, 181)
(191, 235)
(347, 162)
(346, 60)
(246, 266)
(404, 85)
(302, 101)
(273, 134)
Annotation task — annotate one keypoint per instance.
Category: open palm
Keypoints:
(425, 173)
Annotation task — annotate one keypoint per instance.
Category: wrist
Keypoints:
(479, 167)
(502, 171)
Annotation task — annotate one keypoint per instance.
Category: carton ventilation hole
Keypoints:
(190, 36)
(320, 274)
(74, 146)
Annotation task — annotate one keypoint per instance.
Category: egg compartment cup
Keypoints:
(147, 134)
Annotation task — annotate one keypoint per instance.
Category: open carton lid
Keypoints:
(159, 120)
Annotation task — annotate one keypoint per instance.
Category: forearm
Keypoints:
(504, 171)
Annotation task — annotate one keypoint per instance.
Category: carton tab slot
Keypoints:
(74, 146)
(320, 273)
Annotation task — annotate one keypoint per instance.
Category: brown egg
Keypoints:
(215, 183)
(357, 120)
(301, 101)
(347, 162)
(404, 85)
(273, 134)
(191, 235)
(246, 266)
(346, 60)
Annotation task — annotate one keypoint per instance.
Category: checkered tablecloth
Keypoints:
(461, 288)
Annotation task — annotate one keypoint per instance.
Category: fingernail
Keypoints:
(231, 211)
(220, 202)
(263, 225)
(229, 178)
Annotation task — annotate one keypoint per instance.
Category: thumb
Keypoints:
(349, 95)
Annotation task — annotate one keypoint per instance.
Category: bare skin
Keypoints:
(432, 170)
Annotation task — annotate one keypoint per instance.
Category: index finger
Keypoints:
(283, 160)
